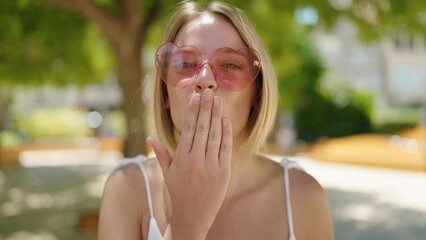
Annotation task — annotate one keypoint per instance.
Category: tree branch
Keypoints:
(130, 12)
(153, 14)
(92, 12)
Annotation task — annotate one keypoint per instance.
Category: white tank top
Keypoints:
(154, 232)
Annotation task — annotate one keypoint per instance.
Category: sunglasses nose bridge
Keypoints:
(203, 68)
(205, 78)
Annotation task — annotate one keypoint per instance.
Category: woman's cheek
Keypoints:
(229, 85)
(238, 114)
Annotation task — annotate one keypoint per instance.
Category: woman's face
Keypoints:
(208, 33)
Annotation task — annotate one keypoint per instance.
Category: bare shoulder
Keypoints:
(311, 208)
(305, 185)
(129, 179)
(124, 202)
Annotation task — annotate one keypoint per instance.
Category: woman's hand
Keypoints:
(198, 174)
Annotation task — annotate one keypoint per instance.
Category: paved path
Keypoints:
(43, 201)
(373, 203)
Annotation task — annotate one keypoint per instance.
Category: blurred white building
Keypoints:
(392, 69)
(102, 96)
(95, 106)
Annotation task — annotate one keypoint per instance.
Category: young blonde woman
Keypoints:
(215, 100)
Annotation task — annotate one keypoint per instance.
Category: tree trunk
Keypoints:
(129, 72)
(125, 32)
(5, 103)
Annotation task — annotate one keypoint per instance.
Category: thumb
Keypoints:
(161, 152)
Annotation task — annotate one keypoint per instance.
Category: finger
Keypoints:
(225, 152)
(162, 154)
(203, 123)
(215, 133)
(189, 124)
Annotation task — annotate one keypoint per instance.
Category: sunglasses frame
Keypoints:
(205, 60)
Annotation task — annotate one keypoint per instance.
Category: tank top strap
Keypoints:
(153, 231)
(287, 165)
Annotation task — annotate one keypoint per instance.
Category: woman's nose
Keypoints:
(206, 78)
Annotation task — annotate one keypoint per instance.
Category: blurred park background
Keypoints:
(74, 99)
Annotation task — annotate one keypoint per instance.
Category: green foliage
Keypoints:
(394, 128)
(318, 116)
(9, 139)
(41, 44)
(325, 105)
(53, 124)
(110, 5)
(301, 78)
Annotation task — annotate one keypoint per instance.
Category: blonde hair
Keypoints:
(262, 117)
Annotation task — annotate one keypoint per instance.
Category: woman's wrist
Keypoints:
(183, 228)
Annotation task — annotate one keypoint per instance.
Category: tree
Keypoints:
(125, 24)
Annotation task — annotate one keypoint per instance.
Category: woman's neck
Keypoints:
(242, 173)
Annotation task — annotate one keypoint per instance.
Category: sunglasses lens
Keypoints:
(234, 69)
